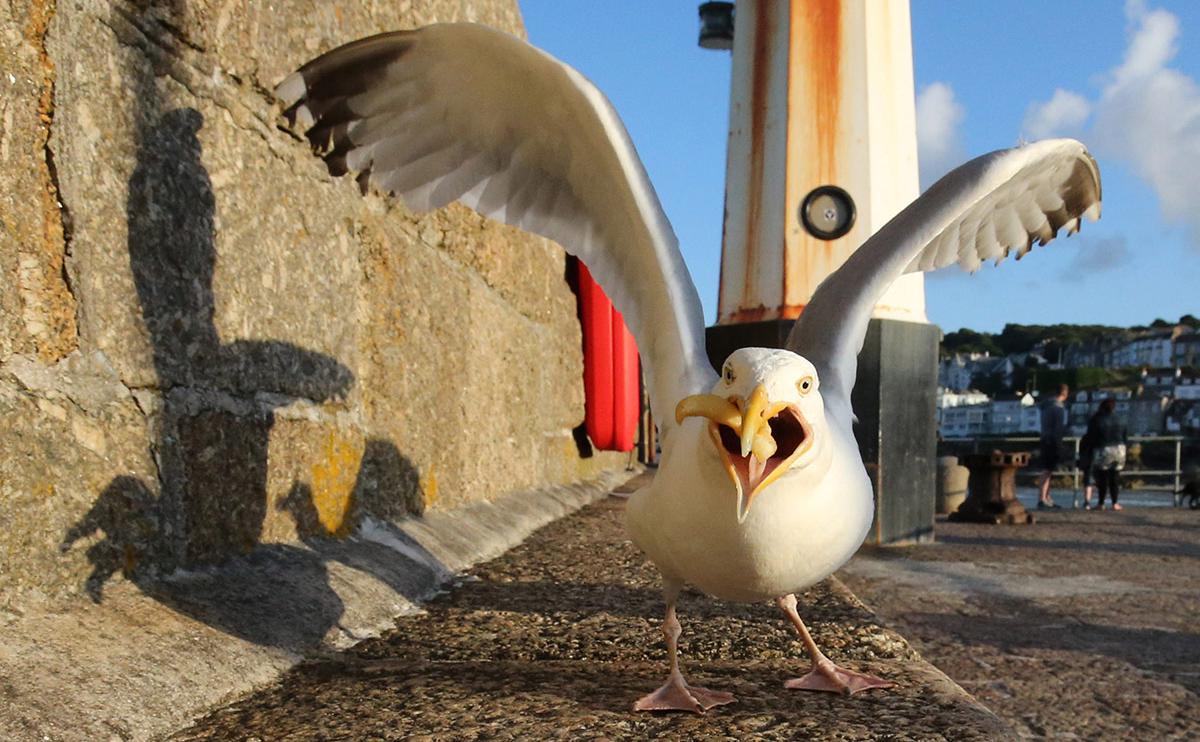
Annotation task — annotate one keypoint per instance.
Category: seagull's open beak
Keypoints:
(757, 440)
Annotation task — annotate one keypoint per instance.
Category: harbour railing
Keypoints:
(1169, 478)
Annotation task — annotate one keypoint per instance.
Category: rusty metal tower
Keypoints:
(822, 98)
(823, 152)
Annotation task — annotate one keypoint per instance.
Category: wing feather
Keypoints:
(993, 205)
(463, 112)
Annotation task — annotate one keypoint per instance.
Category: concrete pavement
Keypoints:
(1083, 626)
(556, 638)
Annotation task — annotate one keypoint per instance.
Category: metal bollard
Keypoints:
(991, 490)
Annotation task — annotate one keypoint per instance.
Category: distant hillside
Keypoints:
(1024, 338)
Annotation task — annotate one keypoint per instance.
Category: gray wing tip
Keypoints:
(1094, 171)
(291, 90)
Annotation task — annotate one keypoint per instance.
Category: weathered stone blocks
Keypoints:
(207, 343)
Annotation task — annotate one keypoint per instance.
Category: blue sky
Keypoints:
(1121, 76)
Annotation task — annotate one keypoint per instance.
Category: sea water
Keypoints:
(1129, 498)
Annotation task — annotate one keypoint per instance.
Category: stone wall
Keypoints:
(206, 342)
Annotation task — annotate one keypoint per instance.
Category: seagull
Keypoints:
(760, 491)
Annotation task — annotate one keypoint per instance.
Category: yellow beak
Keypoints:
(751, 423)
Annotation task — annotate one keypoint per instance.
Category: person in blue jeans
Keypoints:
(1054, 427)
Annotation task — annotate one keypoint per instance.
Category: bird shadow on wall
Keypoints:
(212, 419)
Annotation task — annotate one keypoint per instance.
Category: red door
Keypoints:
(610, 369)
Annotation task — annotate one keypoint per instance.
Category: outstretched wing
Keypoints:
(1003, 201)
(462, 112)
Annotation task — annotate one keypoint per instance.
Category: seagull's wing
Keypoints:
(1000, 202)
(462, 112)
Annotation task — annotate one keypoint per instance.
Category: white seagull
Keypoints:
(760, 492)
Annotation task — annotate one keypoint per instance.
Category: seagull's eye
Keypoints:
(727, 374)
(805, 385)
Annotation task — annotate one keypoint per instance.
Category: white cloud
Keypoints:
(1147, 115)
(1063, 115)
(1152, 45)
(939, 142)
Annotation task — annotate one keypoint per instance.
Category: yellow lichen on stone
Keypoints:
(429, 487)
(333, 479)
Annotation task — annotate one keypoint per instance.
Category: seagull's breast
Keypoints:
(798, 530)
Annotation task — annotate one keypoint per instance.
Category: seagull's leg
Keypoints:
(676, 694)
(825, 675)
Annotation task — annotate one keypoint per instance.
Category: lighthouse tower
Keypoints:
(822, 153)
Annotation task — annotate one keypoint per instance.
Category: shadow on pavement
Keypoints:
(1007, 627)
(1158, 548)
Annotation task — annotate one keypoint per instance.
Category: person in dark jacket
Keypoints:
(1108, 438)
(1054, 427)
(1087, 454)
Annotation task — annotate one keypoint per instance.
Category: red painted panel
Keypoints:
(625, 385)
(597, 311)
(610, 370)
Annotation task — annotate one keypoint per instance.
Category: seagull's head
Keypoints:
(765, 417)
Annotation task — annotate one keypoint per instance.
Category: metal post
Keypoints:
(1075, 478)
(1178, 470)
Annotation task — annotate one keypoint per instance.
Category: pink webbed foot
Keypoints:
(677, 695)
(830, 678)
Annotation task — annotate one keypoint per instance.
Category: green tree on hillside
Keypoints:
(969, 341)
(1016, 338)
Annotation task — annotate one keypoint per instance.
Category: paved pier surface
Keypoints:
(1083, 626)
(556, 638)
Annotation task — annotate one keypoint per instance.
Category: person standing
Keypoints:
(1087, 455)
(1109, 438)
(1054, 427)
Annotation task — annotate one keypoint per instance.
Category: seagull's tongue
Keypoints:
(755, 471)
(750, 469)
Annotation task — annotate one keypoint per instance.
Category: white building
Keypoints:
(973, 413)
(956, 373)
(948, 398)
(1154, 349)
(1015, 415)
(1000, 367)
(1085, 404)
(1173, 382)
(1160, 379)
(1186, 351)
(964, 421)
(1187, 386)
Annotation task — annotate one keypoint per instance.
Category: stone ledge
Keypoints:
(150, 657)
